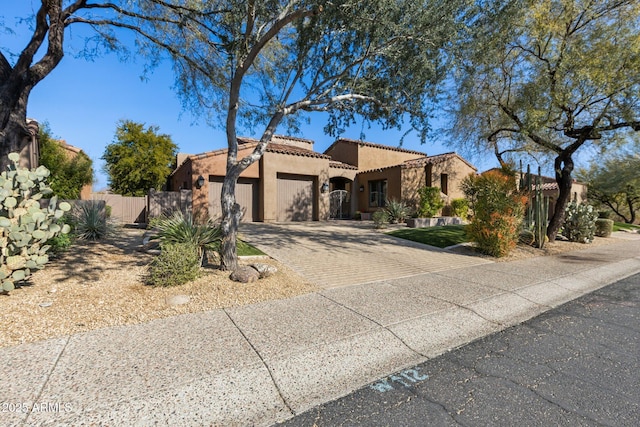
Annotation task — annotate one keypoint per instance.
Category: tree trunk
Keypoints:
(231, 214)
(632, 211)
(14, 133)
(563, 168)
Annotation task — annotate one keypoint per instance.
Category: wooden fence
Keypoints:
(129, 210)
(165, 202)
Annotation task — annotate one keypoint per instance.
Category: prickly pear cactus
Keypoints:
(24, 225)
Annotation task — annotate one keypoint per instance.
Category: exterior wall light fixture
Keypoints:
(200, 182)
(325, 187)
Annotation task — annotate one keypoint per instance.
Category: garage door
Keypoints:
(246, 196)
(295, 198)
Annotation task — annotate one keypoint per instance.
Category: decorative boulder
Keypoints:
(245, 274)
(264, 270)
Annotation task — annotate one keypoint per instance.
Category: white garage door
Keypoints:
(246, 196)
(295, 198)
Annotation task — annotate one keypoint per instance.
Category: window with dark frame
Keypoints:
(444, 183)
(377, 193)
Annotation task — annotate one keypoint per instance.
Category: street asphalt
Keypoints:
(576, 365)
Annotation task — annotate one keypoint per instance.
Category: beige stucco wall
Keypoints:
(394, 186)
(207, 166)
(414, 178)
(274, 163)
(344, 152)
(378, 157)
(457, 171)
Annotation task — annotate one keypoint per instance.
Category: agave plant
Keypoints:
(397, 211)
(180, 228)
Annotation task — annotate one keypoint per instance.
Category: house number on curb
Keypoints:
(406, 378)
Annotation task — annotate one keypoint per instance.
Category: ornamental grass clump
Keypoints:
(579, 222)
(498, 211)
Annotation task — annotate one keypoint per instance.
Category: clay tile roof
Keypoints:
(285, 138)
(434, 160)
(295, 151)
(380, 169)
(373, 145)
(341, 165)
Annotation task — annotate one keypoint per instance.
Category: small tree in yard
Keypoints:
(252, 63)
(549, 77)
(139, 159)
(614, 182)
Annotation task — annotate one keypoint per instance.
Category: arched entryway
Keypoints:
(340, 190)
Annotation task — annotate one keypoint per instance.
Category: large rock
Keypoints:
(264, 270)
(245, 274)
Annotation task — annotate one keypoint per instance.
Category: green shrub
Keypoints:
(397, 211)
(460, 207)
(357, 215)
(179, 228)
(579, 223)
(430, 202)
(25, 227)
(59, 243)
(499, 210)
(605, 214)
(380, 218)
(178, 263)
(90, 221)
(604, 227)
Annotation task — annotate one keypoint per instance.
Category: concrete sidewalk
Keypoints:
(260, 364)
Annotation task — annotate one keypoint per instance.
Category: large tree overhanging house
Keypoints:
(292, 182)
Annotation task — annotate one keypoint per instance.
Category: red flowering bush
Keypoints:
(498, 210)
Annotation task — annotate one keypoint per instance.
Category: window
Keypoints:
(444, 183)
(377, 193)
(428, 171)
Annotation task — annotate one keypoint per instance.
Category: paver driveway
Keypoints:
(331, 254)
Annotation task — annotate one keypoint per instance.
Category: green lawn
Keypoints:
(443, 236)
(245, 249)
(619, 225)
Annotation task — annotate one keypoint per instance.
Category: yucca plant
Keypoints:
(179, 228)
(90, 221)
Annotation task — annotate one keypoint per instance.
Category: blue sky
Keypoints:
(83, 101)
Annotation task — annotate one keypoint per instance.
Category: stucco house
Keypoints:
(292, 182)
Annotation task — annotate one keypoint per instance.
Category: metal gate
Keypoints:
(339, 204)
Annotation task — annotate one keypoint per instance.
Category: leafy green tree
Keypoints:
(139, 159)
(21, 71)
(547, 77)
(265, 63)
(615, 183)
(68, 174)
